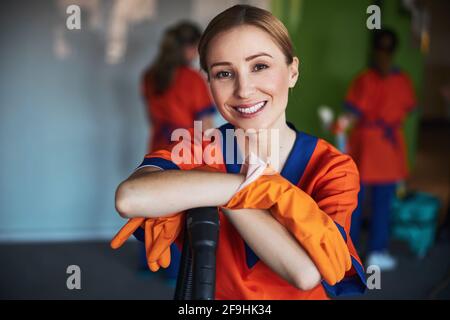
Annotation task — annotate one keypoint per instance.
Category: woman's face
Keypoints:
(249, 77)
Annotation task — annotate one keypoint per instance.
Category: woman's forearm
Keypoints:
(161, 193)
(275, 246)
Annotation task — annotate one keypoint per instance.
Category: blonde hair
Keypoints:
(239, 15)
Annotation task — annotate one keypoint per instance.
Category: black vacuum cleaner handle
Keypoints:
(197, 276)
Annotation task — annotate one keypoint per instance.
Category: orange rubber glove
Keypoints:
(299, 213)
(160, 233)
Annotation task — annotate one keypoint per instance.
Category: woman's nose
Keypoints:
(244, 87)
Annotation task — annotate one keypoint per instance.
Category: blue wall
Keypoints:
(70, 130)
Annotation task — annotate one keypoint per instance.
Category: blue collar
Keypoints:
(296, 162)
(235, 166)
(299, 156)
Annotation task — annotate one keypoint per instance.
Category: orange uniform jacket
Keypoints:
(186, 100)
(376, 143)
(332, 181)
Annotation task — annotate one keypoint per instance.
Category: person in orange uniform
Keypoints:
(379, 100)
(283, 235)
(175, 94)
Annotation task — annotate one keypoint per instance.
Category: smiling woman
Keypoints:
(254, 77)
(285, 234)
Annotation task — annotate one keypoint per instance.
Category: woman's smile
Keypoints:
(250, 110)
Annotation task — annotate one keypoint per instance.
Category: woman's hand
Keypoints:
(300, 214)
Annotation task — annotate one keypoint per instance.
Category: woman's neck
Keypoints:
(281, 150)
(273, 144)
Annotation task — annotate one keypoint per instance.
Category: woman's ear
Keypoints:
(293, 72)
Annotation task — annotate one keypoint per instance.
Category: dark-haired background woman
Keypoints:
(175, 96)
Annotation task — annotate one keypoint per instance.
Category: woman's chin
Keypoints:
(251, 124)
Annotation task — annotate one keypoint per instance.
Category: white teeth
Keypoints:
(252, 109)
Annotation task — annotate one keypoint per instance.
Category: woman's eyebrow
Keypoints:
(253, 56)
(220, 64)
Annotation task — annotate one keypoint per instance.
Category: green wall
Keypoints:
(332, 42)
(411, 60)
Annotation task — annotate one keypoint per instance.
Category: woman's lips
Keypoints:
(250, 110)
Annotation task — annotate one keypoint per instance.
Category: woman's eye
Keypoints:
(260, 66)
(222, 74)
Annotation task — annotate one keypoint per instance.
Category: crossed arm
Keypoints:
(149, 192)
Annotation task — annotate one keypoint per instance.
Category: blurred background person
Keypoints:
(378, 102)
(175, 96)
